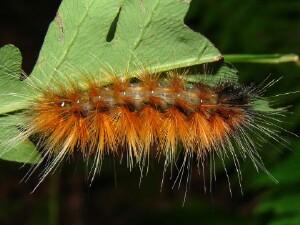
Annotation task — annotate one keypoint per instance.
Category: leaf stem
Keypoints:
(263, 58)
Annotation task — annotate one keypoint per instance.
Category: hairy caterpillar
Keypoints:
(151, 116)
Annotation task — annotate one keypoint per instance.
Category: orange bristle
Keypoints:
(174, 130)
(149, 133)
(200, 131)
(127, 127)
(176, 82)
(149, 81)
(219, 128)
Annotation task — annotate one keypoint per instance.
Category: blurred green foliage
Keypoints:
(250, 26)
(258, 27)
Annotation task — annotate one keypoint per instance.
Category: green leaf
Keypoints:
(125, 35)
(12, 99)
(11, 87)
(215, 73)
(15, 150)
(282, 200)
(263, 105)
(281, 205)
(283, 169)
(284, 206)
(288, 220)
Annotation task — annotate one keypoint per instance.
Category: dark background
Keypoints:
(115, 197)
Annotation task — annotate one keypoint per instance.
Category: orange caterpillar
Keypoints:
(148, 116)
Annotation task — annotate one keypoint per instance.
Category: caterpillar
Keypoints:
(154, 115)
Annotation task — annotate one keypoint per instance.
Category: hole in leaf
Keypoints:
(112, 30)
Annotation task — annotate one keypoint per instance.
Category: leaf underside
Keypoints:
(23, 151)
(120, 36)
(11, 89)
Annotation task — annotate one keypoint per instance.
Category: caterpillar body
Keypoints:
(151, 116)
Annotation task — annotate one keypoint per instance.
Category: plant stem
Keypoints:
(262, 58)
(53, 203)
